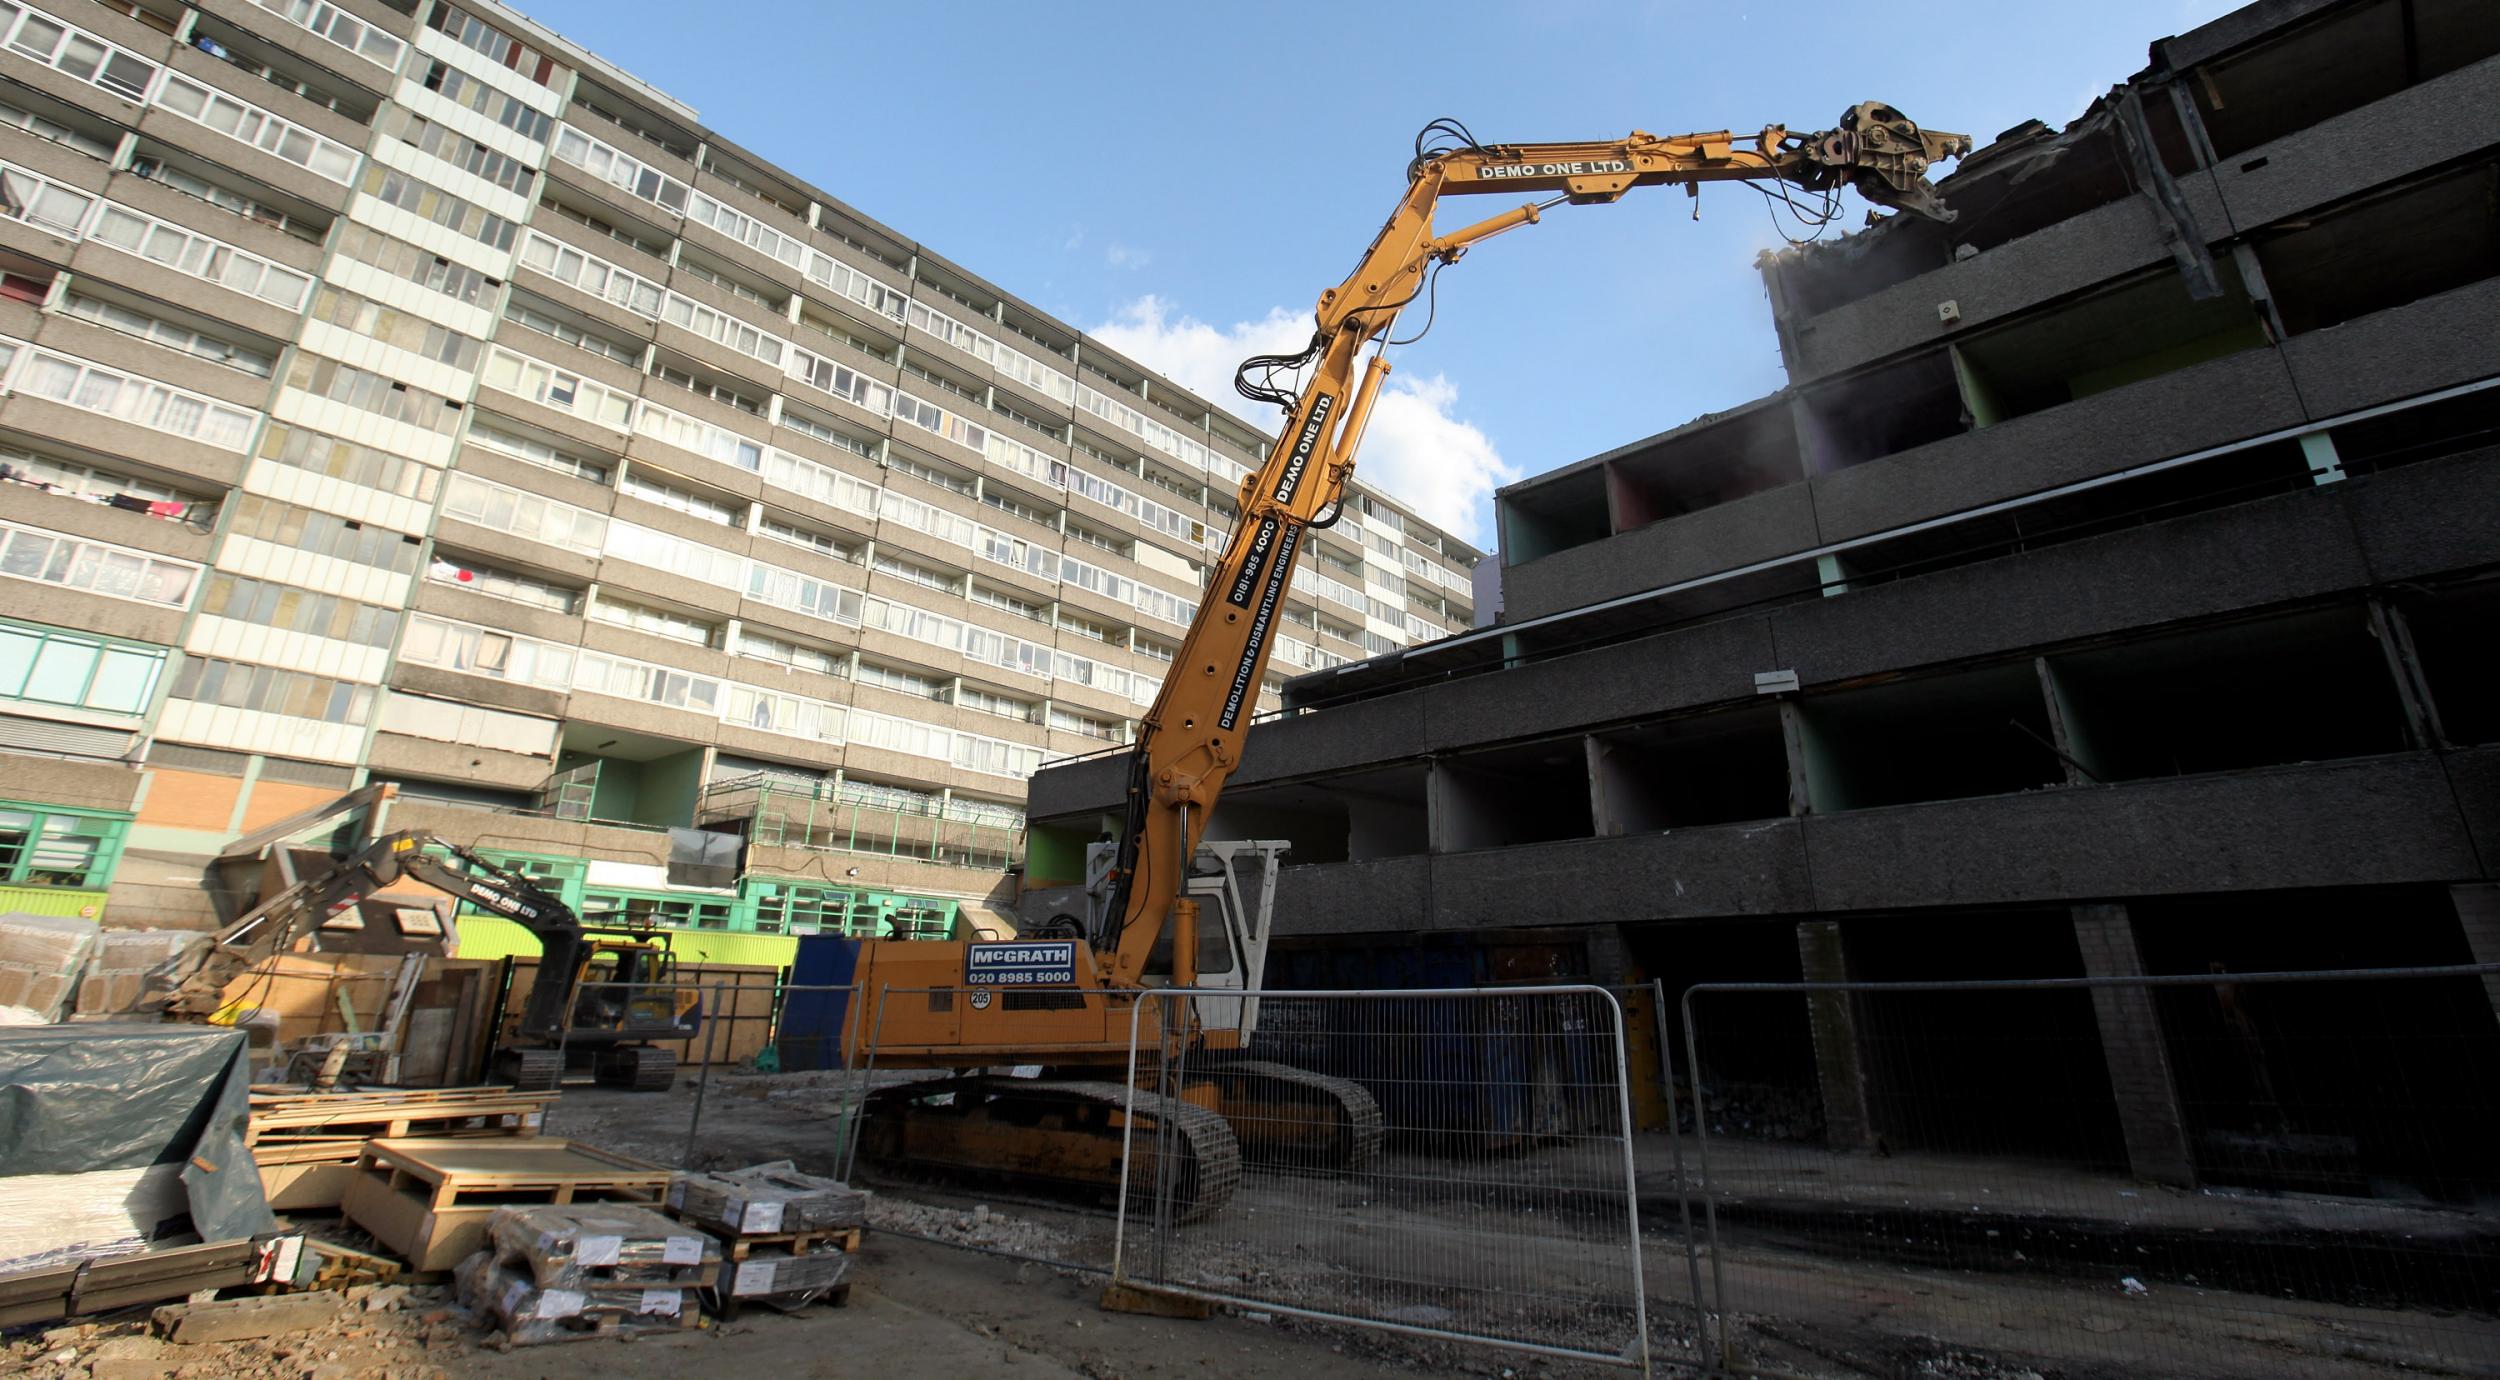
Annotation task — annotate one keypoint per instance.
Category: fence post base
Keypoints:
(1148, 1301)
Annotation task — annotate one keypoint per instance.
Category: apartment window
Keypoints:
(321, 534)
(41, 202)
(806, 594)
(931, 474)
(459, 150)
(622, 170)
(499, 47)
(876, 349)
(479, 651)
(506, 509)
(75, 52)
(225, 196)
(731, 284)
(396, 328)
(199, 256)
(424, 267)
(98, 484)
(537, 452)
(701, 437)
(824, 543)
(592, 275)
(989, 702)
(212, 37)
(256, 127)
(1086, 725)
(341, 28)
(1008, 503)
(800, 656)
(268, 690)
(717, 392)
(1088, 627)
(897, 679)
(77, 136)
(591, 401)
(799, 421)
(44, 665)
(843, 382)
(681, 500)
(288, 609)
(428, 202)
(50, 846)
(143, 402)
(942, 382)
(378, 394)
(1152, 650)
(624, 117)
(528, 317)
(1093, 537)
(31, 553)
(677, 555)
(497, 583)
(173, 335)
(1008, 603)
(657, 622)
(575, 214)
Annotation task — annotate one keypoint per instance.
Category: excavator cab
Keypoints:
(625, 993)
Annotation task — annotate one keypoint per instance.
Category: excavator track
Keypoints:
(1055, 1130)
(1292, 1119)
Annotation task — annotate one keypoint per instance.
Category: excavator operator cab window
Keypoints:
(1215, 938)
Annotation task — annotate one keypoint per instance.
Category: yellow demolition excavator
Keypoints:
(1061, 996)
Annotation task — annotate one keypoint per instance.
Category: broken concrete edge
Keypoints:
(244, 1319)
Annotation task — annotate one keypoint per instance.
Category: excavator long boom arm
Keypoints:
(1190, 740)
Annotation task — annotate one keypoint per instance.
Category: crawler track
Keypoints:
(1293, 1119)
(1055, 1130)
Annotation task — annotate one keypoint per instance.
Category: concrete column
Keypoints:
(2478, 910)
(2131, 1043)
(1839, 1057)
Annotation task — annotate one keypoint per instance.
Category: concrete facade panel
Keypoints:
(2407, 518)
(1737, 869)
(1758, 527)
(2193, 566)
(2416, 348)
(1391, 895)
(2208, 404)
(2371, 821)
(2416, 128)
(2475, 776)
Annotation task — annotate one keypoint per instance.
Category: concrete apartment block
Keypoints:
(392, 390)
(2108, 593)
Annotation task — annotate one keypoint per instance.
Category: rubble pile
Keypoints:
(407, 1333)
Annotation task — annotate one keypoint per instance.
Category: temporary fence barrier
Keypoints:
(2215, 1175)
(1455, 1164)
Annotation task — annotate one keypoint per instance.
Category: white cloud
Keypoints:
(1418, 449)
(1125, 256)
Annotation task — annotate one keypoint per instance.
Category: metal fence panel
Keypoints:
(2234, 1175)
(1456, 1164)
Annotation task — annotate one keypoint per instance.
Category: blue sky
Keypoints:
(1184, 178)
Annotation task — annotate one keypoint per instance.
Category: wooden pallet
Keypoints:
(306, 1144)
(735, 1247)
(428, 1199)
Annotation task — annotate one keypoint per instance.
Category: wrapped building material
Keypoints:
(530, 1314)
(768, 1199)
(40, 956)
(600, 1245)
(774, 1272)
(134, 972)
(115, 1136)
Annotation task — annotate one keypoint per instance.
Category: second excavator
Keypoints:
(1063, 994)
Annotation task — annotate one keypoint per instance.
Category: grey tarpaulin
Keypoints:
(78, 1098)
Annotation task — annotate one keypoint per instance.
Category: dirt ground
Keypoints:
(1928, 1275)
(1936, 1267)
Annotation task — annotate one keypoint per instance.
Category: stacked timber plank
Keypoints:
(788, 1238)
(558, 1273)
(307, 1143)
(430, 1200)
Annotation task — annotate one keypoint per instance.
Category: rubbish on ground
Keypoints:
(429, 1200)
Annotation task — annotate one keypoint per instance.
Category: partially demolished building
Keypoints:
(2100, 597)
